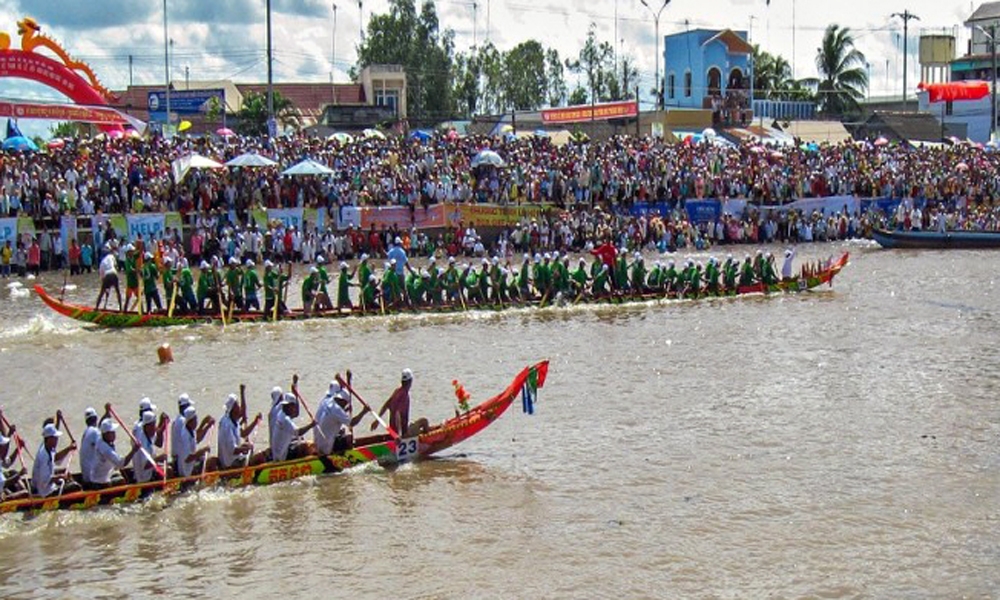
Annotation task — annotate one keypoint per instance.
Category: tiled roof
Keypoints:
(986, 12)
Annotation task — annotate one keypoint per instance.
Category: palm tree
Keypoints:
(843, 79)
(253, 113)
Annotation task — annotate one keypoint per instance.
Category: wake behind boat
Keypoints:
(807, 279)
(382, 449)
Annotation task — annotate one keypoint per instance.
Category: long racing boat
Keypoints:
(382, 449)
(935, 240)
(823, 274)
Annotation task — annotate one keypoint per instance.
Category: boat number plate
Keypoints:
(406, 449)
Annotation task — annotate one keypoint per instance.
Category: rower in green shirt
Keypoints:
(251, 283)
(344, 287)
(234, 283)
(150, 275)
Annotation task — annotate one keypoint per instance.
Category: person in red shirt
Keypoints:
(74, 258)
(34, 257)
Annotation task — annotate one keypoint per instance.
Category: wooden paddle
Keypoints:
(386, 426)
(156, 467)
(173, 296)
(295, 390)
(218, 291)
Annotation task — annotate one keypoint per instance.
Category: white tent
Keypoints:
(251, 159)
(182, 165)
(487, 157)
(308, 167)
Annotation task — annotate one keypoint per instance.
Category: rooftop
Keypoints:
(987, 11)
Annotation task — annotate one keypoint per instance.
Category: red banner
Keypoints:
(596, 112)
(62, 112)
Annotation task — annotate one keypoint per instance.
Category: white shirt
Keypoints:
(88, 451)
(272, 416)
(185, 445)
(142, 470)
(42, 471)
(108, 265)
(284, 432)
(229, 440)
(106, 460)
(176, 433)
(330, 418)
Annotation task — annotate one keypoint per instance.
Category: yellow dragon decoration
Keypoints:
(32, 38)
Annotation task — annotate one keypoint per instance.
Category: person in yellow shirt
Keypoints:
(5, 255)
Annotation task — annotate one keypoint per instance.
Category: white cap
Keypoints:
(147, 418)
(364, 257)
(107, 426)
(190, 413)
(320, 260)
(230, 402)
(407, 375)
(50, 431)
(313, 270)
(146, 404)
(275, 394)
(398, 241)
(248, 263)
(89, 412)
(343, 265)
(268, 263)
(183, 400)
(203, 265)
(233, 260)
(289, 399)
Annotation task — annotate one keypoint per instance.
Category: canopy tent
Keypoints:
(251, 159)
(373, 133)
(308, 167)
(955, 90)
(420, 134)
(19, 143)
(341, 137)
(182, 165)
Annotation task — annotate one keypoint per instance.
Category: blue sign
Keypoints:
(187, 102)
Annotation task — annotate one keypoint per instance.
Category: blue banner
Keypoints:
(8, 231)
(703, 211)
(150, 227)
(288, 216)
(188, 102)
(67, 231)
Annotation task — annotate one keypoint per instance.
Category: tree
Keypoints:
(771, 74)
(578, 97)
(524, 65)
(466, 87)
(592, 63)
(554, 76)
(253, 113)
(402, 37)
(841, 67)
(66, 129)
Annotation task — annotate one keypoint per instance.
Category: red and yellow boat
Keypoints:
(382, 449)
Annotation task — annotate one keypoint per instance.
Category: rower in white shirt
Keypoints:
(286, 441)
(47, 477)
(332, 432)
(232, 452)
(177, 427)
(189, 455)
(88, 445)
(107, 462)
(142, 469)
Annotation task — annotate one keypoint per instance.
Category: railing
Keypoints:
(784, 109)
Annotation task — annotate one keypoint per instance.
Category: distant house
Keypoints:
(708, 69)
(908, 127)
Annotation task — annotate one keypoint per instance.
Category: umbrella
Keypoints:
(420, 134)
(251, 160)
(881, 141)
(708, 133)
(184, 126)
(182, 165)
(340, 136)
(373, 133)
(487, 157)
(19, 143)
(308, 167)
(56, 143)
(541, 133)
(962, 167)
(224, 132)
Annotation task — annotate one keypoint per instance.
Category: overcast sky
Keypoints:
(225, 39)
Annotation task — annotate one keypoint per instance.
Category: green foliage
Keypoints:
(66, 129)
(253, 114)
(842, 77)
(414, 41)
(214, 110)
(578, 97)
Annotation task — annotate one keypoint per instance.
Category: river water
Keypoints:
(836, 444)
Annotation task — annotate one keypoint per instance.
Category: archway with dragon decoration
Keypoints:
(74, 79)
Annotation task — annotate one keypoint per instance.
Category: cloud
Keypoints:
(85, 15)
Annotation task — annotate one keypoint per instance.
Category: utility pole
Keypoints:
(906, 16)
(333, 56)
(187, 78)
(361, 20)
(166, 64)
(475, 10)
(271, 125)
(130, 70)
(656, 24)
(991, 35)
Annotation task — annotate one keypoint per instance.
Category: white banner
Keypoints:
(8, 231)
(288, 216)
(150, 227)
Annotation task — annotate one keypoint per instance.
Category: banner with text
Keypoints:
(150, 227)
(67, 230)
(488, 215)
(8, 231)
(596, 112)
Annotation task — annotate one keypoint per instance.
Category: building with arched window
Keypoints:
(714, 67)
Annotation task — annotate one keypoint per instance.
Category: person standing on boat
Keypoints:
(189, 455)
(108, 271)
(786, 267)
(177, 427)
(47, 478)
(251, 283)
(88, 444)
(344, 287)
(107, 460)
(131, 279)
(234, 283)
(232, 453)
(150, 274)
(398, 405)
(286, 437)
(333, 420)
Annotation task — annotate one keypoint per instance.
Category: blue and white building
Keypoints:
(707, 69)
